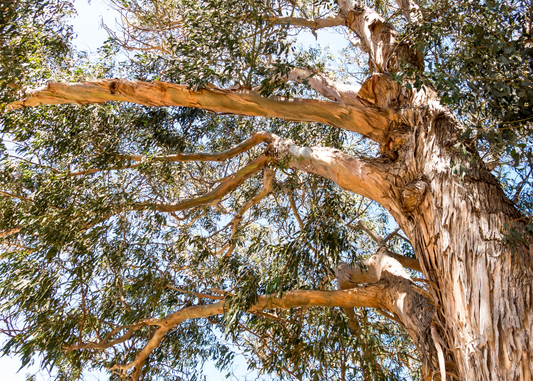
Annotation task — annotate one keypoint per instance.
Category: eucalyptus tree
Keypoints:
(225, 191)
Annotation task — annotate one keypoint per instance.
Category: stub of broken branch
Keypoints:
(413, 195)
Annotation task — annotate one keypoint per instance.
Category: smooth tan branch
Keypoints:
(363, 176)
(255, 139)
(227, 186)
(391, 288)
(407, 262)
(319, 23)
(336, 91)
(370, 121)
(365, 296)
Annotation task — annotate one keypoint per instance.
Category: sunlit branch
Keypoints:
(108, 343)
(255, 139)
(9, 232)
(410, 10)
(378, 38)
(390, 284)
(370, 121)
(244, 146)
(324, 86)
(363, 176)
(309, 23)
(407, 262)
(227, 186)
(367, 296)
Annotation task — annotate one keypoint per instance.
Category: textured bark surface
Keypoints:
(483, 290)
(406, 303)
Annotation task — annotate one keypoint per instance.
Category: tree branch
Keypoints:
(407, 262)
(107, 343)
(365, 296)
(405, 302)
(253, 140)
(7, 194)
(9, 232)
(324, 86)
(268, 185)
(244, 146)
(378, 38)
(393, 292)
(365, 177)
(227, 186)
(410, 10)
(375, 237)
(370, 121)
(313, 24)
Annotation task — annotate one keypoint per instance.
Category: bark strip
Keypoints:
(336, 91)
(378, 38)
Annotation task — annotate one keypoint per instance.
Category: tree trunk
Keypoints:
(455, 222)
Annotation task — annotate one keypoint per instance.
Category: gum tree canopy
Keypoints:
(207, 187)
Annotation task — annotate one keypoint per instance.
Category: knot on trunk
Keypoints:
(380, 90)
(413, 195)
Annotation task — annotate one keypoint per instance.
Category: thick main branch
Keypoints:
(366, 177)
(372, 122)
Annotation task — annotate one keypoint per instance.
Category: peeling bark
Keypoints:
(483, 290)
(378, 38)
(408, 304)
(359, 175)
(312, 24)
(324, 86)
